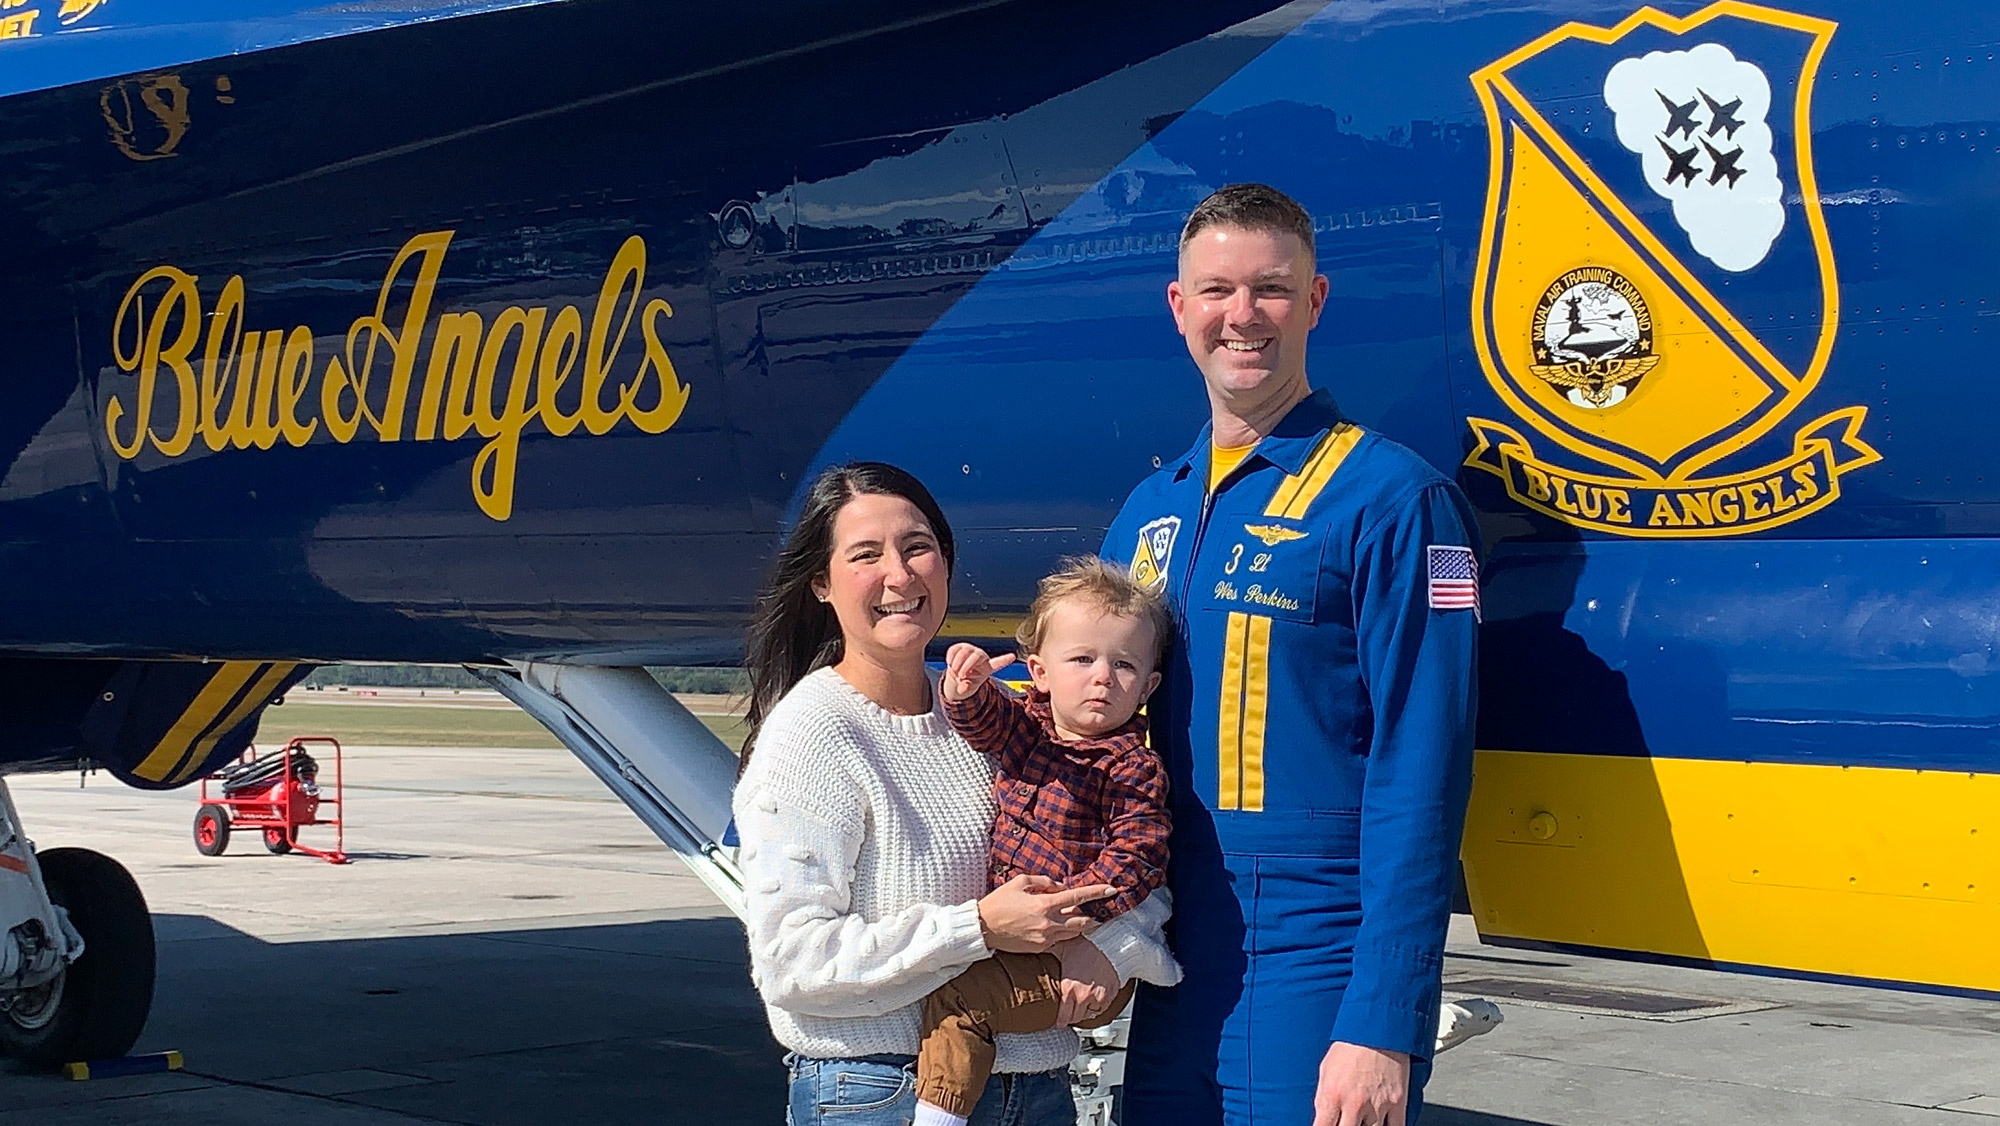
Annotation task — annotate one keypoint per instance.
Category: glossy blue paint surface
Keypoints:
(119, 37)
(958, 265)
(1819, 652)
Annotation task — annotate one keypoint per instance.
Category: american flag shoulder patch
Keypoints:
(1454, 578)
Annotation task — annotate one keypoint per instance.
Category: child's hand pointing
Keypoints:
(966, 667)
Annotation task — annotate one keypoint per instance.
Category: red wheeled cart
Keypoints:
(277, 793)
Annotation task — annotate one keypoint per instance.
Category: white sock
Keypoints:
(928, 1115)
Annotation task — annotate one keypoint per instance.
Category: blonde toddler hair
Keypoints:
(1103, 585)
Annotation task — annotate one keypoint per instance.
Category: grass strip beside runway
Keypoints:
(406, 725)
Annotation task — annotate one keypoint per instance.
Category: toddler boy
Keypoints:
(1081, 800)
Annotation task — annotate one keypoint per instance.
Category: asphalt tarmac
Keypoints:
(510, 946)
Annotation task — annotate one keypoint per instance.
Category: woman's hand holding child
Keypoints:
(1031, 914)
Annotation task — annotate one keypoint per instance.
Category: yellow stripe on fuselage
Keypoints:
(1297, 492)
(1868, 872)
(984, 625)
(214, 696)
(262, 690)
(1229, 724)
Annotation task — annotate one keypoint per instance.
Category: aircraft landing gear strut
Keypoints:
(76, 951)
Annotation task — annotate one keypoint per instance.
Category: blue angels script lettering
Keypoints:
(192, 371)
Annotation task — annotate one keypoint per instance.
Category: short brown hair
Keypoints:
(1103, 585)
(1250, 207)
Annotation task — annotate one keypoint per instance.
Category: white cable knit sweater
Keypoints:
(865, 841)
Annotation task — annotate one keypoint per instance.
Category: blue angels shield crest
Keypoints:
(1636, 241)
(1154, 552)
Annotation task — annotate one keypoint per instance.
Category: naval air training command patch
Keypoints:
(1616, 278)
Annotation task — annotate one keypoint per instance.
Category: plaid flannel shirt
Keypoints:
(1087, 812)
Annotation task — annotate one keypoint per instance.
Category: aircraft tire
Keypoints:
(211, 830)
(102, 999)
(275, 842)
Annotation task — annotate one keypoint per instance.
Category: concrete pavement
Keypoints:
(510, 946)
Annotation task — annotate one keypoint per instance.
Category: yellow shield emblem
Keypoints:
(1640, 245)
(1154, 553)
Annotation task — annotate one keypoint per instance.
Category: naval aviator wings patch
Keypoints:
(1155, 552)
(1275, 534)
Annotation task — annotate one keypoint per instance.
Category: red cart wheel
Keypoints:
(211, 830)
(276, 842)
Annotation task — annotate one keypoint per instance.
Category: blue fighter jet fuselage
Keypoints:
(498, 331)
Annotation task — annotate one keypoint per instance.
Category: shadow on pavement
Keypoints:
(1453, 1116)
(628, 1022)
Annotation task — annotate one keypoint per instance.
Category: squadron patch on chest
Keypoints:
(1155, 552)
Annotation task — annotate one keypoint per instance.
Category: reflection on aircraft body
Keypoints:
(339, 338)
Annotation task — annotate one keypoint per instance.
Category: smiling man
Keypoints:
(1316, 718)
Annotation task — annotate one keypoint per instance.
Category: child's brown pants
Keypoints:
(1005, 993)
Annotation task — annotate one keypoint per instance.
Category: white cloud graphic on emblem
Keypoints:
(1697, 121)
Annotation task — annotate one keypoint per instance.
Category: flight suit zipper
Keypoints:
(1194, 552)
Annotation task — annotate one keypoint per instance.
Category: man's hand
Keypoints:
(1362, 1087)
(966, 667)
(1088, 983)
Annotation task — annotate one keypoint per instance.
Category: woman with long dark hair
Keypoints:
(864, 818)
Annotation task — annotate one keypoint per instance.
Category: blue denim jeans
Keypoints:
(882, 1091)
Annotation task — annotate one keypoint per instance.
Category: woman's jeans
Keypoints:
(882, 1091)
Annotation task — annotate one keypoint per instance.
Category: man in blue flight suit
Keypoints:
(1316, 718)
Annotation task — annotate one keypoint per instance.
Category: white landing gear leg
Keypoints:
(76, 951)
